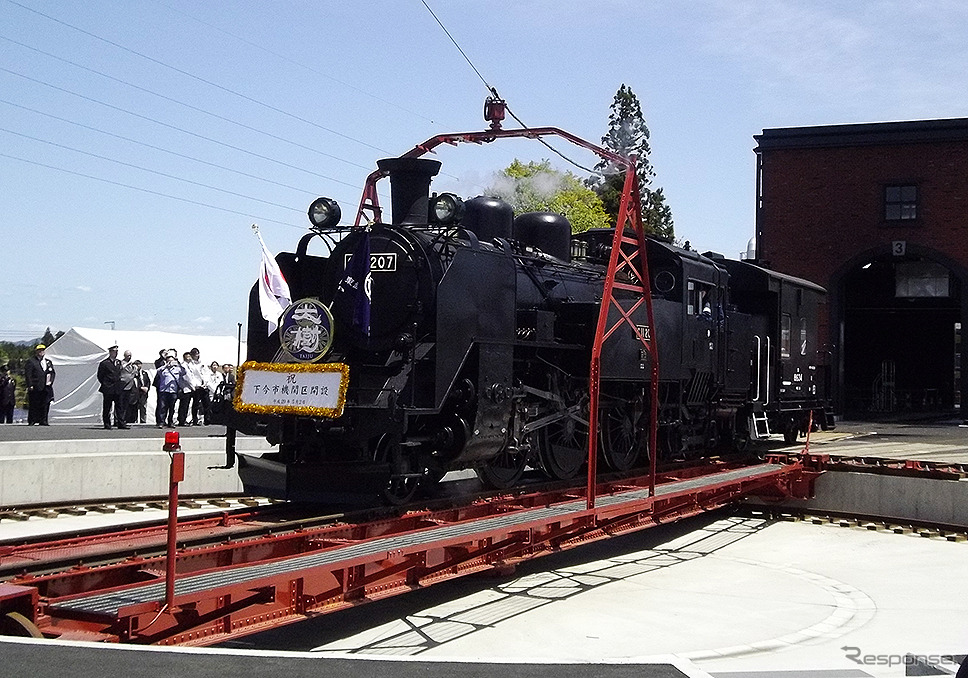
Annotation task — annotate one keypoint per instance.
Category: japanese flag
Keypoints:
(274, 295)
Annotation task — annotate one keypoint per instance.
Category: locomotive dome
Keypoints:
(488, 218)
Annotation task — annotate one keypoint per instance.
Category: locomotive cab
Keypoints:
(690, 298)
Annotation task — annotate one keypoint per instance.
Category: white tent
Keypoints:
(76, 355)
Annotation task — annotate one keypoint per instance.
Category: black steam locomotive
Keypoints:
(459, 336)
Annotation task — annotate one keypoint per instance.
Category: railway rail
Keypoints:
(27, 512)
(89, 547)
(221, 520)
(211, 519)
(939, 470)
(952, 533)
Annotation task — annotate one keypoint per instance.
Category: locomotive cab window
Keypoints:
(803, 336)
(785, 327)
(700, 298)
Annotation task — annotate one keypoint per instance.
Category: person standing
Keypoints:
(213, 381)
(159, 363)
(8, 395)
(200, 399)
(109, 376)
(138, 411)
(228, 375)
(39, 374)
(129, 389)
(190, 379)
(167, 381)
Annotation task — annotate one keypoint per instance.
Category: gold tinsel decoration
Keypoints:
(329, 412)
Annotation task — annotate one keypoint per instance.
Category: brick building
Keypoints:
(878, 214)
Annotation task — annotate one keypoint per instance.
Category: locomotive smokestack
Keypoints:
(409, 187)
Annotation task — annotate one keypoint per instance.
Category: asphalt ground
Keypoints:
(92, 431)
(43, 660)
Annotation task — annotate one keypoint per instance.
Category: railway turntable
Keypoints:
(245, 585)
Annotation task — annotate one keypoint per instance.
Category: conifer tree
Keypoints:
(628, 135)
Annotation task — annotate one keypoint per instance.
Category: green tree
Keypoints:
(537, 187)
(657, 215)
(628, 135)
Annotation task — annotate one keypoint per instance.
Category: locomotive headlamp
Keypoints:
(446, 208)
(324, 213)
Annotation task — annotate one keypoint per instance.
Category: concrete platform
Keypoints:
(939, 441)
(918, 500)
(69, 462)
(62, 463)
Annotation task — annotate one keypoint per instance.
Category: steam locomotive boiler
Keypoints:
(459, 336)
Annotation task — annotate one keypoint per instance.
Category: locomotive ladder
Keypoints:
(628, 257)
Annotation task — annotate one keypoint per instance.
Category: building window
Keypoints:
(901, 202)
(921, 279)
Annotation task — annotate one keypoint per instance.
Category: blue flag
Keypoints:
(356, 285)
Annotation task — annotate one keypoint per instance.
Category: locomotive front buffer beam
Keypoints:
(288, 577)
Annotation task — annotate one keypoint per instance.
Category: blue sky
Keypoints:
(140, 139)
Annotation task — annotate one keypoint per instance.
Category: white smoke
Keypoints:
(526, 192)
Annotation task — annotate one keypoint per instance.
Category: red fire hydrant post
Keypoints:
(176, 475)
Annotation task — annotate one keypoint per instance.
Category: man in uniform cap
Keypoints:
(39, 378)
(109, 376)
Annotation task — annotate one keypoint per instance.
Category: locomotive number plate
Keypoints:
(379, 262)
(316, 390)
